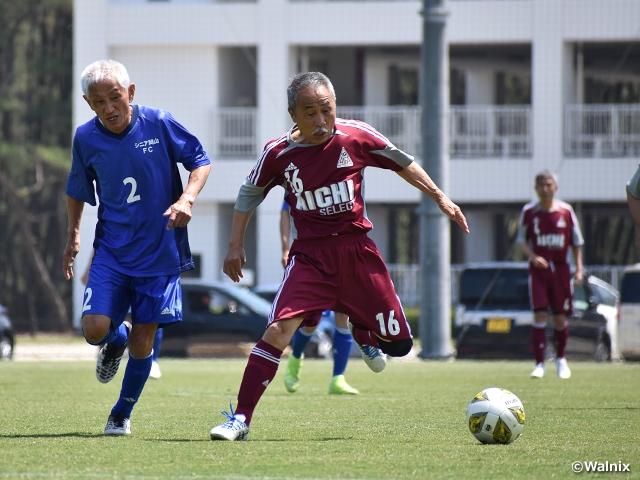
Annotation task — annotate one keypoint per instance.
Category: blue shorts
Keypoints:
(151, 299)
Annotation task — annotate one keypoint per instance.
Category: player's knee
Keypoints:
(95, 328)
(397, 348)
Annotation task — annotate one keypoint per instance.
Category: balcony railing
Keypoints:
(236, 132)
(602, 131)
(489, 131)
(401, 125)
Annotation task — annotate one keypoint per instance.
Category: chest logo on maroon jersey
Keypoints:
(329, 200)
(344, 160)
(544, 238)
(561, 223)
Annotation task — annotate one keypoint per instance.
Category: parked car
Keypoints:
(215, 312)
(629, 325)
(6, 335)
(321, 344)
(493, 319)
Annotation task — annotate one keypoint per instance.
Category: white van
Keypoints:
(629, 325)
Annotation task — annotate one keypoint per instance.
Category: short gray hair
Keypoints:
(101, 71)
(544, 174)
(307, 79)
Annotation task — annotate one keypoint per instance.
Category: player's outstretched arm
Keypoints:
(74, 213)
(180, 212)
(415, 175)
(236, 258)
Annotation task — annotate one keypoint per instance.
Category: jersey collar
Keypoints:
(125, 132)
(555, 206)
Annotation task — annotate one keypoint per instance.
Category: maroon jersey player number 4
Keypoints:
(547, 229)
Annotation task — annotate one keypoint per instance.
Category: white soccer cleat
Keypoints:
(563, 369)
(372, 356)
(155, 370)
(117, 425)
(538, 371)
(232, 430)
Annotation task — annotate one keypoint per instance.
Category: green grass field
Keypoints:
(407, 422)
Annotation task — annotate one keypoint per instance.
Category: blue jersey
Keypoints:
(136, 179)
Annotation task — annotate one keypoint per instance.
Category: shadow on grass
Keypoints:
(54, 435)
(176, 440)
(206, 440)
(597, 408)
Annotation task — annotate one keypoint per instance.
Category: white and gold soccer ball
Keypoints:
(495, 415)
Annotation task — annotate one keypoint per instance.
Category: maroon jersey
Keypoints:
(324, 183)
(550, 232)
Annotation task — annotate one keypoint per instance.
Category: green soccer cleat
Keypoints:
(340, 386)
(291, 376)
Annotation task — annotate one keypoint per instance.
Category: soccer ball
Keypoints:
(495, 415)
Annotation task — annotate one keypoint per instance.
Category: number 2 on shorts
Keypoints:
(392, 324)
(85, 306)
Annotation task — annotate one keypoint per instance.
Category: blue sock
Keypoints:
(157, 342)
(299, 342)
(117, 337)
(342, 341)
(135, 376)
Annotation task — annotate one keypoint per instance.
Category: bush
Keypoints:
(413, 318)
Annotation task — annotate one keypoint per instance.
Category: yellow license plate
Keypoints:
(499, 325)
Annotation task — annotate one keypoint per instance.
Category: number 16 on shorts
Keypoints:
(390, 325)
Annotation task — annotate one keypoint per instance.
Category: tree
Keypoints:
(35, 134)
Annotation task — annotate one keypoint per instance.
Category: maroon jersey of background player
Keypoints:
(550, 232)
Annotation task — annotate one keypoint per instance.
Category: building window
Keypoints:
(403, 86)
(513, 89)
(457, 87)
(404, 235)
(602, 91)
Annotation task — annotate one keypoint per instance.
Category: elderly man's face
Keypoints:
(315, 115)
(111, 103)
(546, 188)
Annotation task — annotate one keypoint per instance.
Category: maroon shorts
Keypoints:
(343, 273)
(551, 288)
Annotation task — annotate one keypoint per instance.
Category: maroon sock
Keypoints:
(539, 342)
(258, 374)
(561, 337)
(365, 337)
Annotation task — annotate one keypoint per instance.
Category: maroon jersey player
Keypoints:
(333, 264)
(547, 229)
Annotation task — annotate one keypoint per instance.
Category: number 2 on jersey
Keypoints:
(392, 324)
(134, 186)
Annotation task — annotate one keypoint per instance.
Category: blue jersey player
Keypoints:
(128, 156)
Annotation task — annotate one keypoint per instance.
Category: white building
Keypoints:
(535, 84)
